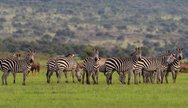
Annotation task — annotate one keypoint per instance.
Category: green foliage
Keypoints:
(59, 26)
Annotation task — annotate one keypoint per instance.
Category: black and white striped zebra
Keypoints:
(91, 68)
(174, 67)
(15, 56)
(16, 66)
(121, 65)
(151, 64)
(65, 64)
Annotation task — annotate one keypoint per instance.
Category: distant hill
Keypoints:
(106, 23)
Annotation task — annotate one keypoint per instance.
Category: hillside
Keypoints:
(106, 23)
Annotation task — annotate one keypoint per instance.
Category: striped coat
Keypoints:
(16, 66)
(63, 64)
(152, 64)
(174, 67)
(91, 68)
(121, 65)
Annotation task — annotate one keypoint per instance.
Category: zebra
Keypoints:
(153, 64)
(150, 76)
(15, 66)
(64, 64)
(174, 67)
(91, 68)
(121, 65)
(14, 56)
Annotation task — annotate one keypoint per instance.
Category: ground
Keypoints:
(37, 93)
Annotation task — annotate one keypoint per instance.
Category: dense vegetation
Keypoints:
(59, 26)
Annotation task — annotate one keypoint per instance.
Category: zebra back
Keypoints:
(122, 64)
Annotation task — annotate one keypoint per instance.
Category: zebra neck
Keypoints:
(176, 62)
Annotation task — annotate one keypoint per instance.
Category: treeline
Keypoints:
(55, 47)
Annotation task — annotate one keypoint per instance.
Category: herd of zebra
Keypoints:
(152, 69)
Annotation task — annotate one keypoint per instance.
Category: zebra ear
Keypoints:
(168, 51)
(177, 49)
(29, 50)
(181, 49)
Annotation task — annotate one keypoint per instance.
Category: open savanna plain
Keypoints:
(38, 94)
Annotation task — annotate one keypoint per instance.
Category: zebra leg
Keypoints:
(66, 76)
(6, 75)
(173, 76)
(110, 78)
(73, 72)
(88, 74)
(93, 77)
(48, 75)
(59, 76)
(176, 74)
(97, 76)
(14, 78)
(122, 77)
(139, 77)
(83, 75)
(158, 76)
(129, 76)
(24, 78)
(3, 78)
(144, 75)
(166, 76)
(136, 76)
(162, 76)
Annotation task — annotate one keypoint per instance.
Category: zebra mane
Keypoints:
(68, 55)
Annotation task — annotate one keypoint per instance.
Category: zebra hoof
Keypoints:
(66, 81)
(58, 82)
(88, 83)
(73, 81)
(48, 82)
(23, 84)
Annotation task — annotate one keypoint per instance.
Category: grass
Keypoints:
(37, 93)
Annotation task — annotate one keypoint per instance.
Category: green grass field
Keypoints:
(38, 94)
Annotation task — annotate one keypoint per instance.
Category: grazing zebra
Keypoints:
(174, 67)
(64, 64)
(121, 65)
(15, 66)
(91, 68)
(151, 64)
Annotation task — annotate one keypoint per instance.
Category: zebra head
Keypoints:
(179, 53)
(17, 56)
(30, 56)
(170, 58)
(79, 72)
(138, 53)
(96, 54)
